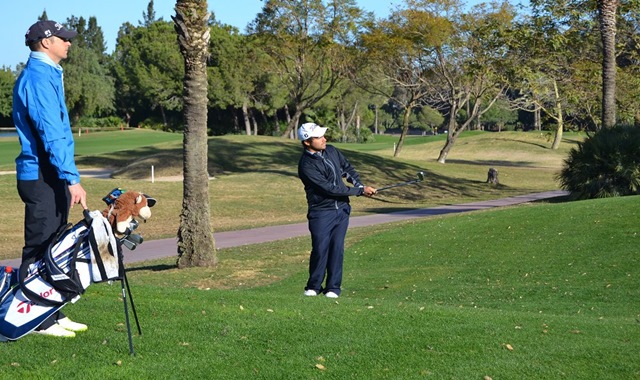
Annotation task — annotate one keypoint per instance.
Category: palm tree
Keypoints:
(196, 246)
(607, 17)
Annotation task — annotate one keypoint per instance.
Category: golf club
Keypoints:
(419, 178)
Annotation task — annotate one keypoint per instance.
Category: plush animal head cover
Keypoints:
(126, 207)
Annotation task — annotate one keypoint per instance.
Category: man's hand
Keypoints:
(78, 195)
(369, 191)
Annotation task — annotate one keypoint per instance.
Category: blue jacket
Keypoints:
(39, 106)
(322, 173)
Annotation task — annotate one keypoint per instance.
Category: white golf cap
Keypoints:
(308, 130)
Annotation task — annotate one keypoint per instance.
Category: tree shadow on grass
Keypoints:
(152, 268)
(489, 163)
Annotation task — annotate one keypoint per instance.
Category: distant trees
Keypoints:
(330, 62)
(7, 80)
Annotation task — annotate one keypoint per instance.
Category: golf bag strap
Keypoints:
(67, 284)
(22, 274)
(68, 287)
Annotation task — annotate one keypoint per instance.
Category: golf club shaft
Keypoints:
(397, 185)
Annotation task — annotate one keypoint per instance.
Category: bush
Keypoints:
(606, 164)
(99, 123)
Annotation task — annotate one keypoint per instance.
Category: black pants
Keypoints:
(328, 230)
(46, 208)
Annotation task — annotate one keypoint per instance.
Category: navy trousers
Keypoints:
(46, 208)
(328, 229)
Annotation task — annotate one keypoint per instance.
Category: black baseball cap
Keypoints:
(45, 29)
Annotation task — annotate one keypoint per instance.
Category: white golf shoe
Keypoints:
(56, 330)
(70, 325)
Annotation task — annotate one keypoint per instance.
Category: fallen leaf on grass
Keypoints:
(508, 347)
(320, 367)
(487, 378)
(14, 364)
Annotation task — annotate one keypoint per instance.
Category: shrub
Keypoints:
(606, 164)
(99, 123)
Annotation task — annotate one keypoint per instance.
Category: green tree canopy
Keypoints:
(148, 69)
(7, 80)
(89, 86)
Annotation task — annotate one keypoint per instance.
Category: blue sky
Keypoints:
(111, 14)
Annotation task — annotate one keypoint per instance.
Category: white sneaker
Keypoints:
(56, 330)
(331, 295)
(310, 293)
(70, 325)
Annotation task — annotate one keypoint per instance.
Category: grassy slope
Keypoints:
(542, 291)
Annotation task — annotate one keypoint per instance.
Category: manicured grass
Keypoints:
(96, 143)
(543, 291)
(256, 181)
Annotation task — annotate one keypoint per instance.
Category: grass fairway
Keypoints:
(545, 291)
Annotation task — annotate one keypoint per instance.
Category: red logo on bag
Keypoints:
(24, 307)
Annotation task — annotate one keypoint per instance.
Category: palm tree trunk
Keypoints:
(607, 17)
(196, 246)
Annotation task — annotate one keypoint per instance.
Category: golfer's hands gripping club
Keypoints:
(78, 195)
(369, 191)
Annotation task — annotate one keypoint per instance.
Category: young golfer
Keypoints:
(321, 169)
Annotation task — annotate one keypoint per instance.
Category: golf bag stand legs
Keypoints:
(125, 282)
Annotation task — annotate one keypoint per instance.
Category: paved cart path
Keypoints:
(157, 249)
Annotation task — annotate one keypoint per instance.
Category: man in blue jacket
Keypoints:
(48, 180)
(322, 168)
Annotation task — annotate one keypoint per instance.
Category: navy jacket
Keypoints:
(322, 175)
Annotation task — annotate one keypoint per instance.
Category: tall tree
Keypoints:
(470, 74)
(549, 56)
(196, 246)
(607, 10)
(400, 52)
(149, 17)
(308, 43)
(233, 70)
(89, 86)
(149, 71)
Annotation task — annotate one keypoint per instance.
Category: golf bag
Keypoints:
(78, 256)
